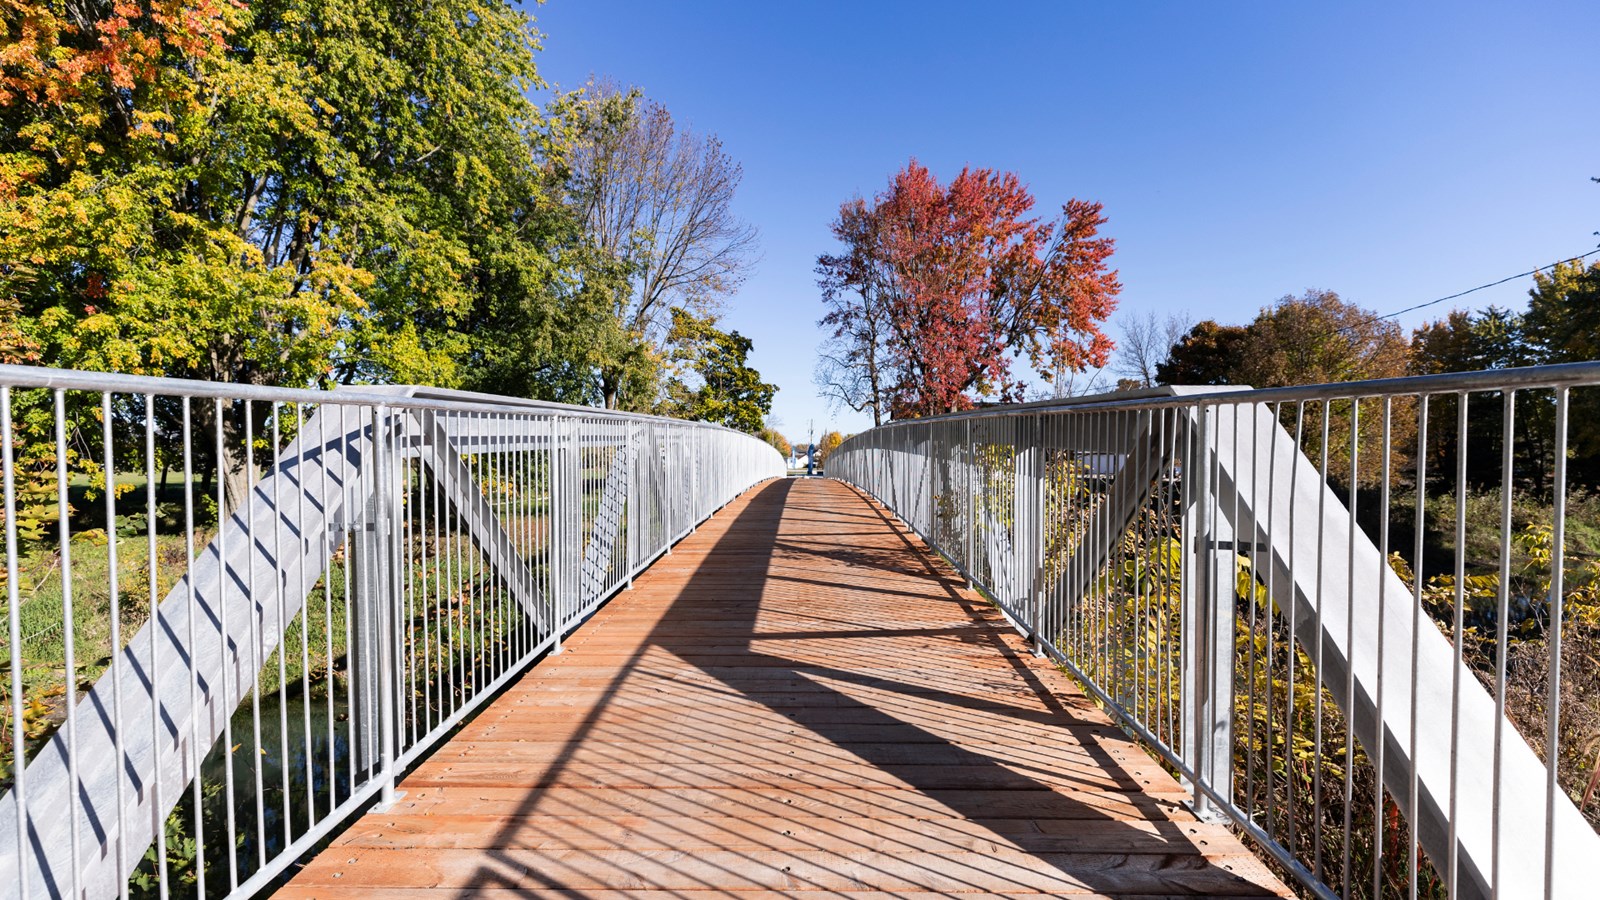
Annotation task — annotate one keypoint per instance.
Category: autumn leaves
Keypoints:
(939, 288)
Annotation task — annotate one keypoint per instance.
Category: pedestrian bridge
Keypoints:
(1186, 641)
(802, 698)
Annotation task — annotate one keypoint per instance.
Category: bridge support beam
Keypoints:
(1208, 622)
(1337, 609)
(254, 577)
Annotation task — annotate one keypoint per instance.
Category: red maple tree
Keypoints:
(959, 280)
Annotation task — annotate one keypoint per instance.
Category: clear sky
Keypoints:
(1393, 152)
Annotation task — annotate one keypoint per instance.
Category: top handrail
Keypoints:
(1167, 396)
(394, 396)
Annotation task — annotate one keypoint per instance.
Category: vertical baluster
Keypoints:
(196, 751)
(1415, 849)
(68, 631)
(1557, 608)
(113, 586)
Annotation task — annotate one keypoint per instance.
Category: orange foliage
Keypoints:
(47, 58)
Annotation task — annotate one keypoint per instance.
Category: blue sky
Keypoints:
(1392, 152)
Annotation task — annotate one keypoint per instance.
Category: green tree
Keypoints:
(1562, 325)
(714, 383)
(1208, 354)
(1469, 342)
(292, 192)
(1563, 319)
(304, 191)
(1311, 339)
(1314, 338)
(547, 342)
(1318, 338)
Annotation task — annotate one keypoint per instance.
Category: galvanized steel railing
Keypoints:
(205, 675)
(1226, 570)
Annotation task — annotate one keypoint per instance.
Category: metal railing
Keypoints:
(1361, 621)
(236, 614)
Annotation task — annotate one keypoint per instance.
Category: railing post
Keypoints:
(1036, 536)
(566, 517)
(1208, 623)
(631, 447)
(369, 575)
(972, 526)
(375, 602)
(661, 454)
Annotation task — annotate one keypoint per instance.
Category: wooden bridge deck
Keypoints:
(800, 701)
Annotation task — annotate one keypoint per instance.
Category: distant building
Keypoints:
(801, 457)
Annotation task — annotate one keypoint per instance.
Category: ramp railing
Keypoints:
(1361, 621)
(235, 614)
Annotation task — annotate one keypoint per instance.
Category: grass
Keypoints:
(447, 608)
(1483, 511)
(42, 624)
(41, 591)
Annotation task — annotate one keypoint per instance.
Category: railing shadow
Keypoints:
(827, 763)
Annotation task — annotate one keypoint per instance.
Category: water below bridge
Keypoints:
(801, 700)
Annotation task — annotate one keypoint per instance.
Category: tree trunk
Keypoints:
(872, 380)
(609, 389)
(237, 477)
(237, 468)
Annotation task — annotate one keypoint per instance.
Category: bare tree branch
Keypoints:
(1147, 341)
(660, 198)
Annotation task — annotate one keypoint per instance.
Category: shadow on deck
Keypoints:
(800, 700)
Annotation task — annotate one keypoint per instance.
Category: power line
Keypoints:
(1401, 312)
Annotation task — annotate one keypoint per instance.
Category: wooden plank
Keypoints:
(734, 775)
(733, 729)
(678, 870)
(348, 892)
(790, 800)
(596, 832)
(595, 752)
(801, 699)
